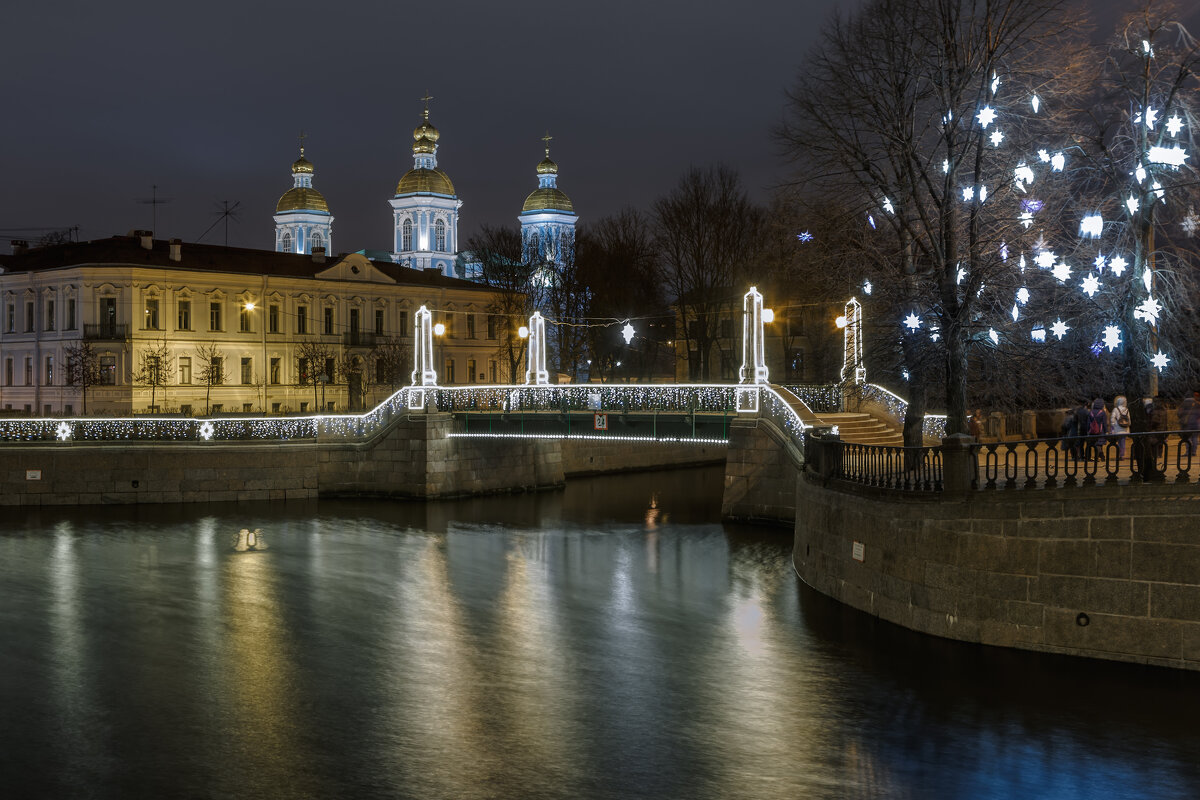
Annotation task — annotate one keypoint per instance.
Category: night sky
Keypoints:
(206, 100)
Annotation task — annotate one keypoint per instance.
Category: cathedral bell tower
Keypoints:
(302, 218)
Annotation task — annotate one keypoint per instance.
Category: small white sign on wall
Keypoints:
(856, 552)
(33, 474)
(600, 422)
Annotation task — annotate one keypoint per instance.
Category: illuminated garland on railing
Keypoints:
(588, 397)
(594, 436)
(821, 398)
(779, 411)
(934, 425)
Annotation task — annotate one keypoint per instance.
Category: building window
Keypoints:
(493, 323)
(275, 371)
(317, 241)
(214, 316)
(185, 369)
(301, 319)
(216, 370)
(8, 372)
(49, 315)
(406, 235)
(439, 235)
(328, 320)
(70, 326)
(29, 317)
(354, 319)
(48, 375)
(151, 322)
(470, 370)
(108, 370)
(247, 408)
(493, 370)
(402, 330)
(275, 407)
(382, 373)
(247, 372)
(379, 321)
(303, 406)
(273, 319)
(28, 371)
(244, 320)
(216, 408)
(470, 326)
(449, 370)
(285, 242)
(302, 370)
(328, 370)
(183, 319)
(12, 318)
(185, 409)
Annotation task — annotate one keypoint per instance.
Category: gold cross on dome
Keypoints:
(547, 139)
(426, 100)
(303, 136)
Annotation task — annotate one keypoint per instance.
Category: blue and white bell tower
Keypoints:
(302, 218)
(548, 218)
(425, 208)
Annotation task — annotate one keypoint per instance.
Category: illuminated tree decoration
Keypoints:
(1160, 360)
(912, 321)
(64, 431)
(1091, 226)
(1059, 329)
(1090, 285)
(627, 332)
(1112, 337)
(206, 430)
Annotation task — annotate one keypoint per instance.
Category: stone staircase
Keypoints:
(863, 429)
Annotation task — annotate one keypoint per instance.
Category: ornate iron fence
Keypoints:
(912, 469)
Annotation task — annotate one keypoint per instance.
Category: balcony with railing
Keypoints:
(106, 331)
(358, 339)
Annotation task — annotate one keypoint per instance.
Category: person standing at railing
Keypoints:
(1189, 420)
(1069, 431)
(1119, 424)
(1097, 425)
(975, 424)
(1148, 450)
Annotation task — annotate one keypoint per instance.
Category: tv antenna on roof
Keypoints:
(154, 201)
(224, 212)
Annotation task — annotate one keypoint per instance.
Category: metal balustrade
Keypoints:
(910, 469)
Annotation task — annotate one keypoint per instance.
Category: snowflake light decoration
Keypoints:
(1057, 162)
(995, 82)
(997, 137)
(1149, 310)
(1147, 280)
(1023, 174)
(1140, 173)
(1059, 328)
(887, 206)
(912, 321)
(995, 337)
(1038, 334)
(1112, 337)
(1045, 259)
(1174, 125)
(1044, 155)
(804, 236)
(1022, 295)
(968, 193)
(866, 287)
(982, 193)
(1171, 156)
(986, 116)
(627, 333)
(206, 430)
(1100, 262)
(1091, 226)
(1090, 285)
(1026, 218)
(1118, 265)
(1016, 312)
(1061, 271)
(1036, 102)
(962, 273)
(1160, 360)
(65, 431)
(1132, 204)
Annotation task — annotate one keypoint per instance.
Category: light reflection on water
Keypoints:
(609, 641)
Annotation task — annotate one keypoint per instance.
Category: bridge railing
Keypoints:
(912, 469)
(821, 398)
(683, 398)
(1087, 460)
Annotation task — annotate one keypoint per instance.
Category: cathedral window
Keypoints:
(406, 235)
(317, 241)
(285, 243)
(439, 234)
(535, 246)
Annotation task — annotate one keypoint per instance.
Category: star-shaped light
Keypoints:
(627, 333)
(1061, 271)
(1151, 118)
(995, 337)
(1091, 226)
(804, 236)
(982, 193)
(1036, 102)
(945, 165)
(1140, 173)
(866, 287)
(871, 220)
(1044, 155)
(1147, 279)
(986, 116)
(1160, 360)
(1038, 334)
(933, 334)
(995, 82)
(1059, 328)
(1149, 310)
(1147, 49)
(1045, 259)
(997, 137)
(1100, 262)
(904, 374)
(1057, 162)
(887, 206)
(1132, 204)
(968, 194)
(1021, 262)
(1026, 218)
(1112, 337)
(962, 273)
(1090, 285)
(1118, 265)
(1174, 125)
(1016, 312)
(912, 321)
(1190, 223)
(1022, 295)
(206, 430)
(1023, 175)
(64, 431)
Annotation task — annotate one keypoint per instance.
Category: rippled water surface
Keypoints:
(610, 641)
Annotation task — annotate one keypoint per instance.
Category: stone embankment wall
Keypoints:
(412, 457)
(1108, 572)
(761, 469)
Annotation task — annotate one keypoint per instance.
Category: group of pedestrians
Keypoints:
(1084, 428)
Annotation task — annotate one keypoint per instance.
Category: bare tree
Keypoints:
(519, 289)
(707, 232)
(313, 356)
(155, 369)
(393, 362)
(210, 370)
(83, 368)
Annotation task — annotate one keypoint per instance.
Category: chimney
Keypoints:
(19, 246)
(318, 255)
(147, 238)
(176, 247)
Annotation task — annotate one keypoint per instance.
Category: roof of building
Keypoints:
(425, 181)
(548, 198)
(302, 198)
(127, 251)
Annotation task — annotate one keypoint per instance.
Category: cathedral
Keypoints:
(425, 214)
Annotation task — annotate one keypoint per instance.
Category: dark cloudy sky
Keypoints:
(102, 100)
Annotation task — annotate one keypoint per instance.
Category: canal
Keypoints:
(612, 640)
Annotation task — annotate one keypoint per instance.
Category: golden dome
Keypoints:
(548, 199)
(547, 167)
(424, 145)
(302, 198)
(425, 181)
(426, 131)
(302, 165)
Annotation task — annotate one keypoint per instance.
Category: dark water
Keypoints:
(609, 641)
